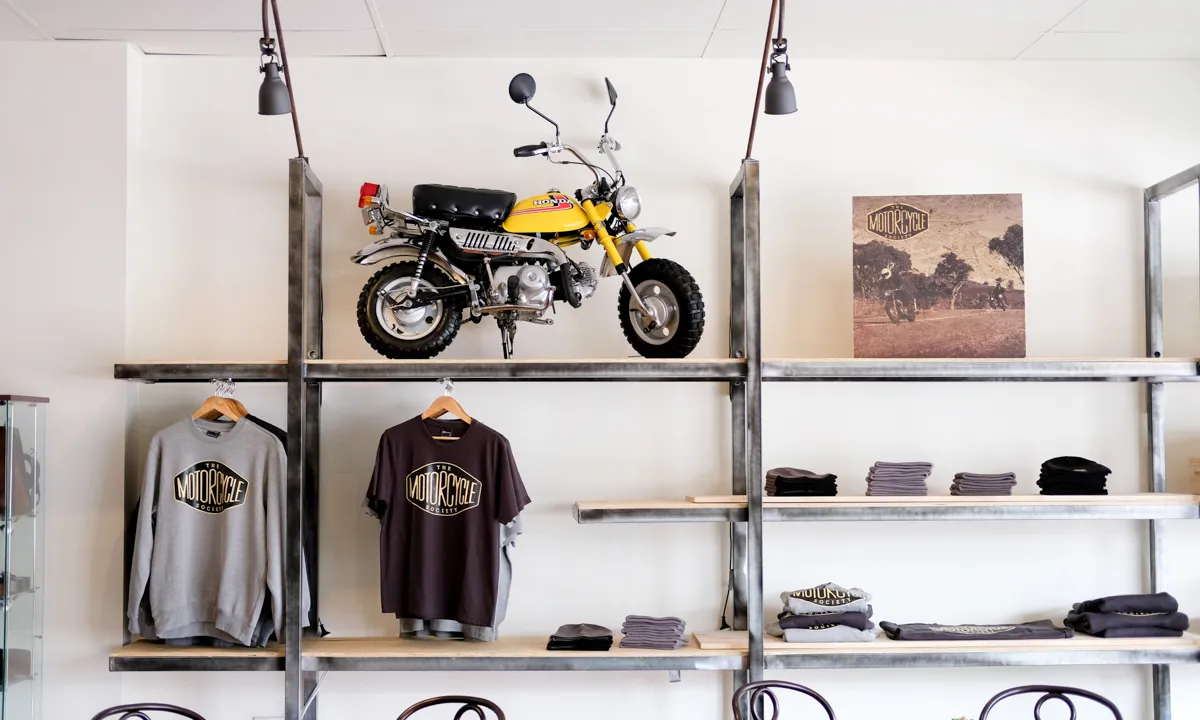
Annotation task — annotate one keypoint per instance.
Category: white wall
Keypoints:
(206, 281)
(63, 214)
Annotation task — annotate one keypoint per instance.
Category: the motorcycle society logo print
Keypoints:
(211, 487)
(442, 489)
(827, 596)
(898, 221)
(977, 629)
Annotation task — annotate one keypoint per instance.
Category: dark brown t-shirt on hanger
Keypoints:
(438, 503)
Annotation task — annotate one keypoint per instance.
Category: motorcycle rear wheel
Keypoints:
(670, 290)
(407, 335)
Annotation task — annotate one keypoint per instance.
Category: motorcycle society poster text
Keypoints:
(939, 276)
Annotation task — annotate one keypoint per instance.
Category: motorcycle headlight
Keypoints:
(628, 203)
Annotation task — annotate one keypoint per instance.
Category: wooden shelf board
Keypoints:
(142, 655)
(506, 654)
(733, 640)
(955, 500)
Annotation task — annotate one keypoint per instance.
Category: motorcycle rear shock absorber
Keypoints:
(416, 280)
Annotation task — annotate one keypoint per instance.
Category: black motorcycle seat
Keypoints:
(448, 202)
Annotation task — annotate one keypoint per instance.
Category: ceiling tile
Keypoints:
(1116, 46)
(609, 21)
(13, 27)
(547, 43)
(300, 43)
(909, 16)
(875, 43)
(1134, 16)
(60, 15)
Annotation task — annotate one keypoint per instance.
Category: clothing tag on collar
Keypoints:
(446, 432)
(212, 433)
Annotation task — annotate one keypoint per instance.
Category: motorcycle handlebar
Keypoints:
(530, 150)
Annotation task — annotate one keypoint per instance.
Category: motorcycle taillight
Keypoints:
(367, 193)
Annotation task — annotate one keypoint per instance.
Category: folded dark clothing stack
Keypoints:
(792, 482)
(581, 636)
(1123, 616)
(825, 626)
(966, 483)
(1073, 476)
(651, 633)
(1036, 630)
(898, 478)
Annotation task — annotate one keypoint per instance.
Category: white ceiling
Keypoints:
(941, 29)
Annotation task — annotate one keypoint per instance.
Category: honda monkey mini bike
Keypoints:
(463, 251)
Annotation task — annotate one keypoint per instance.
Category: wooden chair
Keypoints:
(469, 704)
(763, 689)
(1052, 692)
(137, 711)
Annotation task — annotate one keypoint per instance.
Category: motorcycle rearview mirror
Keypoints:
(612, 100)
(521, 88)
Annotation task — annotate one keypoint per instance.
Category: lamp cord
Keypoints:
(287, 69)
(762, 72)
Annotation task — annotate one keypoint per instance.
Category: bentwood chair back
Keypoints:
(469, 704)
(137, 711)
(758, 691)
(1050, 692)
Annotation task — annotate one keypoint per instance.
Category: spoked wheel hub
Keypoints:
(406, 323)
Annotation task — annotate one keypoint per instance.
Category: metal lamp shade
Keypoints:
(273, 93)
(781, 96)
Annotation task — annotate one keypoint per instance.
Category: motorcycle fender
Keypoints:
(394, 248)
(626, 243)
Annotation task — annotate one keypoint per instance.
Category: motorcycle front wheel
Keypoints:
(670, 292)
(417, 333)
(890, 306)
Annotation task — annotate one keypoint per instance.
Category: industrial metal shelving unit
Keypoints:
(748, 654)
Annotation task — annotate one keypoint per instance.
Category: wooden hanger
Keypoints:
(446, 403)
(217, 405)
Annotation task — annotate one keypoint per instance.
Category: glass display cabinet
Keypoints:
(22, 460)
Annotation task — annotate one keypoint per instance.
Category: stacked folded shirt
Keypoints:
(898, 478)
(1073, 476)
(966, 483)
(791, 482)
(651, 633)
(1036, 630)
(1124, 616)
(581, 636)
(824, 626)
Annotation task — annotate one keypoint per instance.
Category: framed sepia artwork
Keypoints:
(939, 276)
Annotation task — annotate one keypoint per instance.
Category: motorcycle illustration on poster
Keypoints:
(464, 254)
(939, 276)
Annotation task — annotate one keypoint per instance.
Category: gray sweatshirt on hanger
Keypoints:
(209, 532)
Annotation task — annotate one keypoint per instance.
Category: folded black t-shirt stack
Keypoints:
(1073, 476)
(581, 636)
(898, 478)
(792, 482)
(651, 633)
(966, 483)
(1124, 616)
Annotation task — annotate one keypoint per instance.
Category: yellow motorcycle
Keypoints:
(463, 253)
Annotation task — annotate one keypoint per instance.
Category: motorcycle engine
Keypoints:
(522, 285)
(585, 281)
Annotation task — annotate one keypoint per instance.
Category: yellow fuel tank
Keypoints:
(552, 212)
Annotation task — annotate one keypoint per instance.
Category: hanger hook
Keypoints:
(447, 385)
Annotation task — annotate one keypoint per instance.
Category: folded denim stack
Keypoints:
(1073, 476)
(651, 633)
(1124, 616)
(792, 482)
(826, 626)
(581, 636)
(966, 483)
(898, 478)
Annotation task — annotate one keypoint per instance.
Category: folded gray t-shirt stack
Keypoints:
(653, 633)
(966, 483)
(825, 613)
(898, 478)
